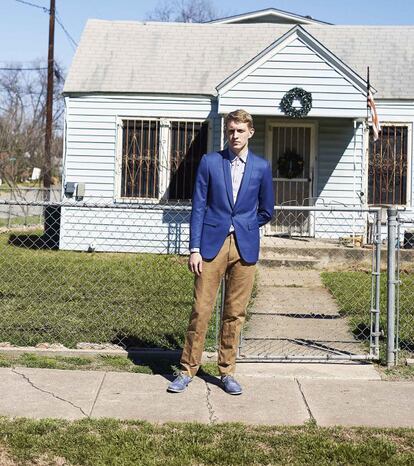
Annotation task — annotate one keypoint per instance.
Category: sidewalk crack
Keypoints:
(97, 394)
(211, 416)
(49, 393)
(311, 416)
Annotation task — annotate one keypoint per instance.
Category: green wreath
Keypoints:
(300, 94)
(290, 165)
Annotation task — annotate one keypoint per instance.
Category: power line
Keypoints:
(45, 10)
(72, 41)
(24, 69)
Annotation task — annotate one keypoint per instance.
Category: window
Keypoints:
(388, 165)
(160, 158)
(188, 144)
(140, 159)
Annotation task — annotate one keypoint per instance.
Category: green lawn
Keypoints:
(70, 297)
(352, 291)
(21, 221)
(128, 443)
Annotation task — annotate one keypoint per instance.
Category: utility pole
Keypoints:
(47, 165)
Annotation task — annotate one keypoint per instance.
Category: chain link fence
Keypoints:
(87, 274)
(96, 274)
(404, 304)
(22, 212)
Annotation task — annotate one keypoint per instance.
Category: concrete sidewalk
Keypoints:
(283, 394)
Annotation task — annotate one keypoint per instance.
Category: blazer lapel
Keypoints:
(246, 177)
(227, 177)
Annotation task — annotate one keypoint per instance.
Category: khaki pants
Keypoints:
(239, 283)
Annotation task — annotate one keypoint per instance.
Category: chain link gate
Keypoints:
(402, 327)
(318, 299)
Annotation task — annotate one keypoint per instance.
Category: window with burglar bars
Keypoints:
(188, 144)
(140, 159)
(388, 165)
(143, 166)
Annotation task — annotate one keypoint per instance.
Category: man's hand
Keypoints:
(195, 263)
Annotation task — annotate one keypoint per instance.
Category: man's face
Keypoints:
(238, 135)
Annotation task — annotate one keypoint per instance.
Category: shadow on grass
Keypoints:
(168, 365)
(406, 345)
(44, 241)
(47, 240)
(170, 342)
(361, 331)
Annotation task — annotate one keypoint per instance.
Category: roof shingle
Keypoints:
(182, 58)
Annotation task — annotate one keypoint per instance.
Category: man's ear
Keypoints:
(251, 132)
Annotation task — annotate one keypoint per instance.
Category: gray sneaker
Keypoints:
(179, 384)
(230, 385)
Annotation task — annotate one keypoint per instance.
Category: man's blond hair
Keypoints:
(239, 116)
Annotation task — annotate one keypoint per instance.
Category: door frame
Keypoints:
(271, 123)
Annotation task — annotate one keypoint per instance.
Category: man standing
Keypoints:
(233, 197)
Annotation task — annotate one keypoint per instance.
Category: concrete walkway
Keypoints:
(294, 314)
(282, 394)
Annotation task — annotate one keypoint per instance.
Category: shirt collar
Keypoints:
(242, 157)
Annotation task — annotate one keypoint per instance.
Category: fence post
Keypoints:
(377, 286)
(391, 282)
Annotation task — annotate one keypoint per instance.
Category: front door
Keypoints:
(291, 153)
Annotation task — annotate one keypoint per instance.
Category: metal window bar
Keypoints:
(188, 144)
(140, 159)
(388, 163)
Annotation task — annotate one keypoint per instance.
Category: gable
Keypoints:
(292, 62)
(268, 15)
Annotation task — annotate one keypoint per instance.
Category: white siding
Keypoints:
(339, 166)
(154, 230)
(91, 133)
(296, 65)
(90, 157)
(91, 139)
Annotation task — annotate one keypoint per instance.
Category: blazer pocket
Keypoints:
(212, 223)
(253, 226)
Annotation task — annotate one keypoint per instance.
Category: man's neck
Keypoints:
(241, 153)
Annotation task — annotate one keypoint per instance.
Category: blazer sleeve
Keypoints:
(199, 203)
(266, 197)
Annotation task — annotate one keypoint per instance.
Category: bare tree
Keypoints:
(22, 120)
(183, 11)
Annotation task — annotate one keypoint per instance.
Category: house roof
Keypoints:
(300, 33)
(268, 15)
(189, 58)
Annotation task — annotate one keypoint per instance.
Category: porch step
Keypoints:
(333, 252)
(291, 262)
(314, 257)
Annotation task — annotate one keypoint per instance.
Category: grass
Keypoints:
(21, 221)
(352, 291)
(70, 297)
(401, 372)
(111, 442)
(105, 362)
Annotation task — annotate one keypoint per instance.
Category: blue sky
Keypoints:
(24, 29)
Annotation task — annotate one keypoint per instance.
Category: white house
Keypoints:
(145, 100)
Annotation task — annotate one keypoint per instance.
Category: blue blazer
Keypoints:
(213, 209)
